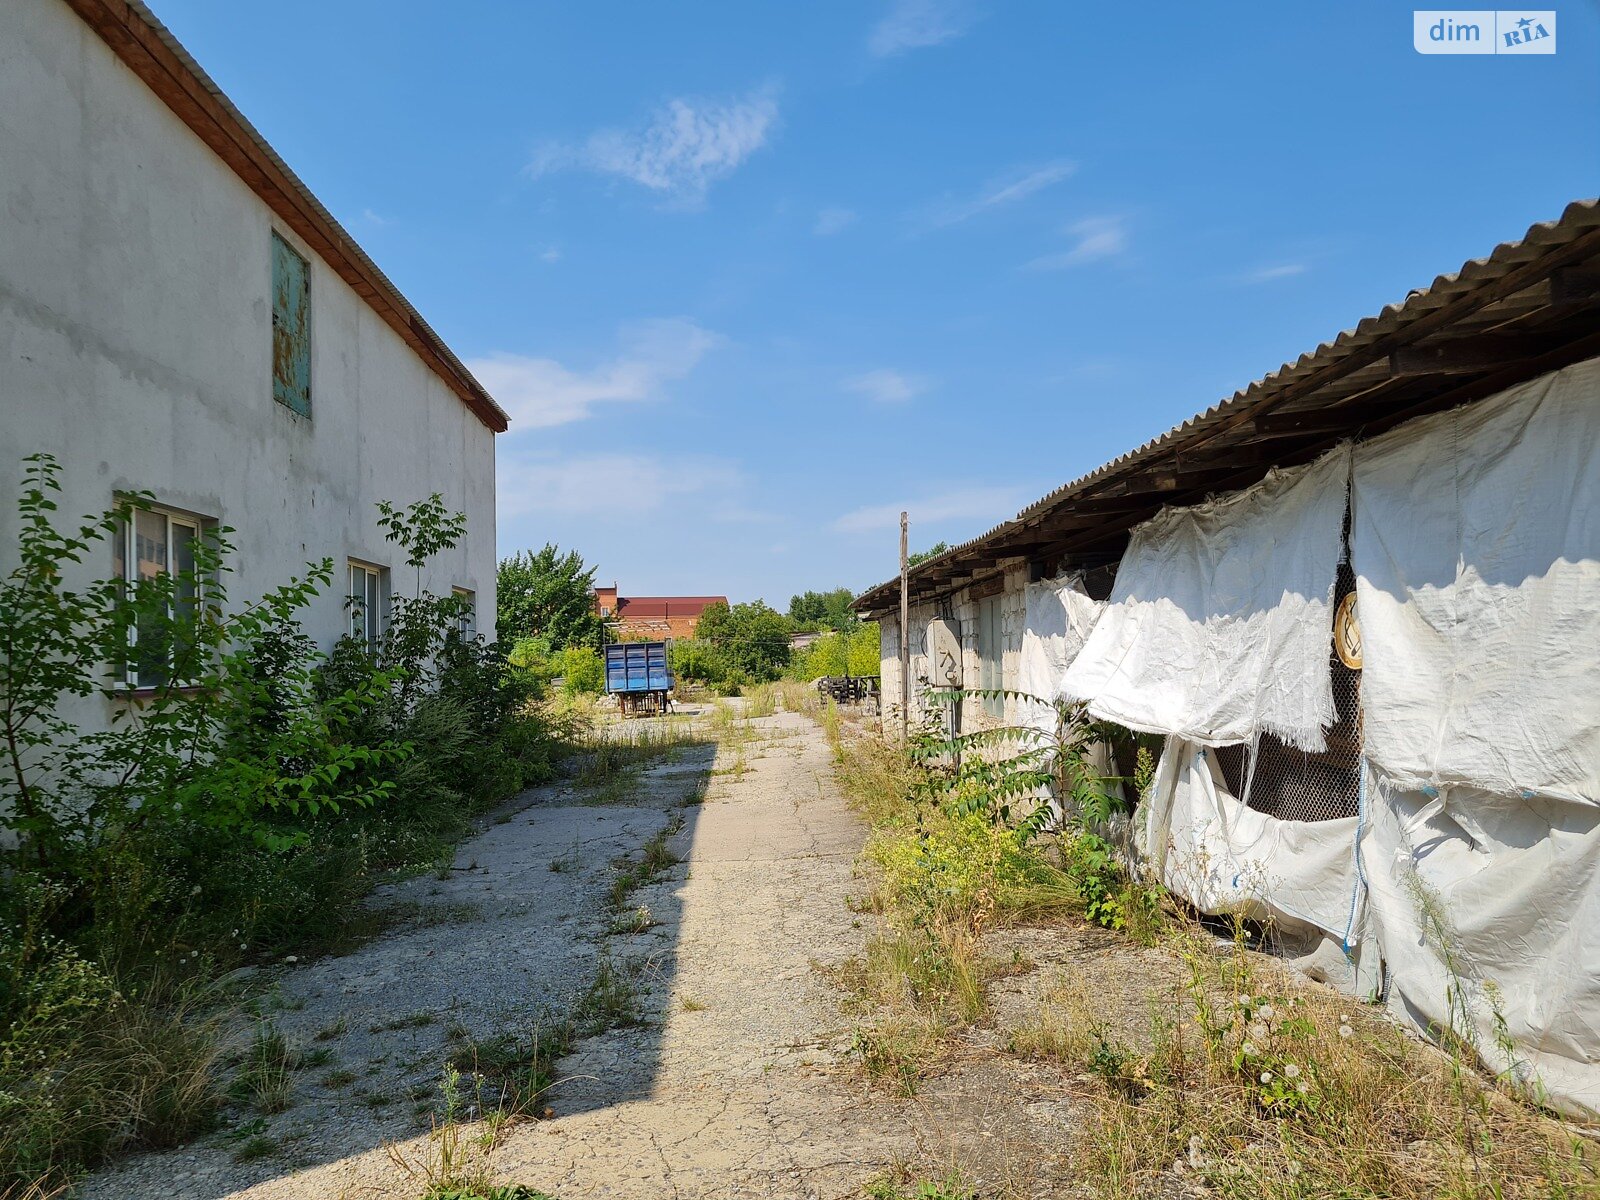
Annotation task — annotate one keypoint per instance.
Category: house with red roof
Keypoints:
(652, 616)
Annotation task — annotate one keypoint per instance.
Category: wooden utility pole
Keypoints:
(905, 634)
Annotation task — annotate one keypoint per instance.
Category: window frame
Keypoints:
(367, 614)
(127, 558)
(467, 619)
(300, 405)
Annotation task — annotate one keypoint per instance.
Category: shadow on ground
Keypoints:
(505, 943)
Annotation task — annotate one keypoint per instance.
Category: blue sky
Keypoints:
(751, 276)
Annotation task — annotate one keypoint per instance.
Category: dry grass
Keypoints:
(797, 697)
(1266, 1086)
(1256, 1084)
(761, 700)
(140, 1073)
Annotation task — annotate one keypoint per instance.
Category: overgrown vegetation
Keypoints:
(734, 647)
(235, 810)
(964, 836)
(852, 653)
(547, 598)
(1254, 1085)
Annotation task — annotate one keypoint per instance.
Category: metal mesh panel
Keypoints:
(1293, 785)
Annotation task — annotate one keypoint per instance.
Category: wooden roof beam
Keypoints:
(1458, 356)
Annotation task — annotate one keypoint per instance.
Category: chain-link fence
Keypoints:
(1291, 784)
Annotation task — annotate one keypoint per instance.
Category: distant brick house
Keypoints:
(652, 616)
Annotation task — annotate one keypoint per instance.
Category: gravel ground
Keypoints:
(727, 1089)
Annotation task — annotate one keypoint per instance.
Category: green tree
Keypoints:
(855, 653)
(752, 637)
(933, 551)
(824, 610)
(549, 595)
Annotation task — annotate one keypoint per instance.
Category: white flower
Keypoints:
(1345, 1031)
(1244, 999)
(290, 958)
(235, 933)
(1292, 1071)
(1293, 1169)
(1344, 1019)
(195, 890)
(1266, 1077)
(1301, 1087)
(1259, 1030)
(1248, 1049)
(242, 946)
(194, 954)
(1265, 1012)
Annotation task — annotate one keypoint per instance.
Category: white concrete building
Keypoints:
(179, 315)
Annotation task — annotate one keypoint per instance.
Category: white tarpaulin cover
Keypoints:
(1219, 625)
(1511, 887)
(1057, 619)
(1476, 546)
(1224, 857)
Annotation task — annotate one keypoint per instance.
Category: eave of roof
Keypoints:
(149, 49)
(1446, 306)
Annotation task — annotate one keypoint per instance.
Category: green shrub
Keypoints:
(751, 638)
(243, 813)
(583, 672)
(855, 653)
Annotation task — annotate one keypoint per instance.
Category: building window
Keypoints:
(365, 602)
(467, 613)
(156, 543)
(291, 328)
(991, 669)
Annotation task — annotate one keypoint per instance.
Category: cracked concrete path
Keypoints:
(732, 1094)
(727, 1088)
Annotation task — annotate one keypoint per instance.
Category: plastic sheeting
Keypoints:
(1476, 547)
(1218, 626)
(1225, 857)
(1058, 617)
(1495, 901)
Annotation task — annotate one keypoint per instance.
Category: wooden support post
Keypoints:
(905, 633)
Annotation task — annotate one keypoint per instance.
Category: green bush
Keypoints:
(751, 638)
(583, 672)
(856, 653)
(243, 813)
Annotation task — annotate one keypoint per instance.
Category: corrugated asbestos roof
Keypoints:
(1580, 218)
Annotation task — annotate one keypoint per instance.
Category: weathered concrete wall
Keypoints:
(136, 332)
(961, 607)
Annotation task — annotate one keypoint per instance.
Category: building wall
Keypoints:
(135, 343)
(961, 608)
(658, 627)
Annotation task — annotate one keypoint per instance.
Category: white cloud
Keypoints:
(688, 145)
(1097, 238)
(550, 254)
(915, 24)
(885, 386)
(373, 218)
(988, 504)
(1268, 274)
(540, 392)
(611, 485)
(832, 220)
(1008, 189)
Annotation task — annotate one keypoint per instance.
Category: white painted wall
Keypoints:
(135, 342)
(962, 608)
